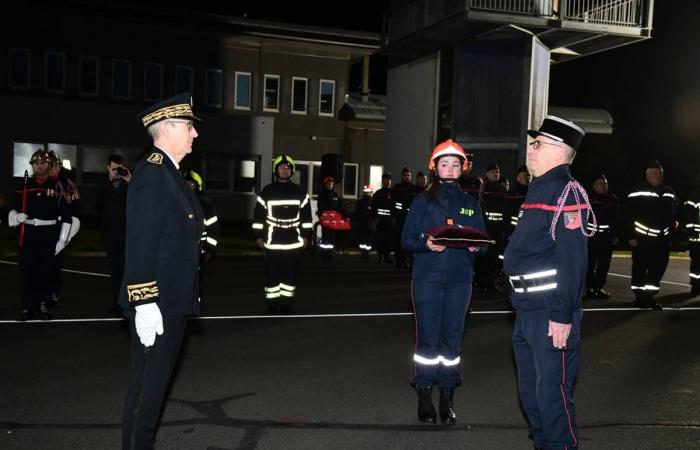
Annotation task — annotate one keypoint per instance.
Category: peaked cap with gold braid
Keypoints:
(179, 106)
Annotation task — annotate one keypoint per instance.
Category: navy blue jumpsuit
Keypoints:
(442, 283)
(548, 278)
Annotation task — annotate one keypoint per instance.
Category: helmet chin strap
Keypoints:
(447, 180)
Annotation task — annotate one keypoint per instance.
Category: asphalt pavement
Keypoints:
(335, 375)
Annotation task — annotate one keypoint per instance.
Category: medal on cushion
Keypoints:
(450, 221)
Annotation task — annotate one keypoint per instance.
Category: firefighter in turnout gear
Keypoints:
(691, 218)
(442, 281)
(282, 227)
(44, 229)
(493, 199)
(365, 225)
(402, 195)
(606, 208)
(329, 200)
(650, 215)
(546, 263)
(382, 207)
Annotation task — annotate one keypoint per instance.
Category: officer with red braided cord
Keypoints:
(546, 260)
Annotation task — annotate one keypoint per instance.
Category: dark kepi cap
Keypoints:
(561, 130)
(655, 164)
(179, 106)
(493, 166)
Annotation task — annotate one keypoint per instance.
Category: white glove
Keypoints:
(148, 322)
(14, 218)
(62, 238)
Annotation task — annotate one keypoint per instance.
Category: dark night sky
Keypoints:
(652, 88)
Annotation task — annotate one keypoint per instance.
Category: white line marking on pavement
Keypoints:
(667, 282)
(80, 272)
(332, 316)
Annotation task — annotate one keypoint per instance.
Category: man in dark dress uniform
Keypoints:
(111, 203)
(382, 207)
(493, 208)
(650, 214)
(691, 218)
(329, 200)
(515, 197)
(164, 224)
(606, 208)
(44, 224)
(546, 263)
(365, 226)
(421, 182)
(282, 227)
(402, 194)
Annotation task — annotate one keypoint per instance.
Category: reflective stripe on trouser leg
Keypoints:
(281, 274)
(439, 309)
(545, 378)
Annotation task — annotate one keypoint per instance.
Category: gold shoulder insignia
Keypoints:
(155, 158)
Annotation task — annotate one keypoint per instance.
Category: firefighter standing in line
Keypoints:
(365, 225)
(650, 215)
(329, 200)
(606, 208)
(691, 217)
(37, 211)
(469, 182)
(441, 285)
(494, 213)
(402, 194)
(515, 197)
(282, 227)
(382, 206)
(212, 229)
(546, 263)
(421, 182)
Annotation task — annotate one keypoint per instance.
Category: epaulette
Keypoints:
(155, 158)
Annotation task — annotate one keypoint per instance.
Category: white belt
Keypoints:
(40, 222)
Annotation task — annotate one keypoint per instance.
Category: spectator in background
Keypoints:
(111, 203)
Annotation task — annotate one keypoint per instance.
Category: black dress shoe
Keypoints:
(447, 414)
(44, 313)
(601, 294)
(24, 315)
(426, 410)
(54, 302)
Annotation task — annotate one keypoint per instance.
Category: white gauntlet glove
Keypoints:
(14, 218)
(62, 238)
(148, 322)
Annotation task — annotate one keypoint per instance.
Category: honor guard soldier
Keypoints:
(402, 194)
(282, 227)
(365, 224)
(606, 208)
(441, 286)
(691, 218)
(382, 207)
(515, 197)
(44, 229)
(650, 215)
(493, 199)
(67, 192)
(164, 224)
(329, 200)
(546, 264)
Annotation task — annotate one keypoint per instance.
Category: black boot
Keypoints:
(447, 414)
(44, 313)
(426, 410)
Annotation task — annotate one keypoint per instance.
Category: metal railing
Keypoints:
(604, 12)
(529, 7)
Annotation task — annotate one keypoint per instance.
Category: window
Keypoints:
(242, 94)
(121, 78)
(271, 102)
(22, 153)
(350, 171)
(308, 175)
(214, 87)
(89, 75)
(299, 92)
(54, 72)
(19, 68)
(236, 173)
(326, 98)
(184, 79)
(67, 152)
(94, 161)
(375, 177)
(153, 82)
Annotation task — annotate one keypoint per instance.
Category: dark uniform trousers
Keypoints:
(649, 261)
(600, 250)
(550, 407)
(281, 276)
(36, 261)
(151, 367)
(440, 310)
(694, 248)
(116, 250)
